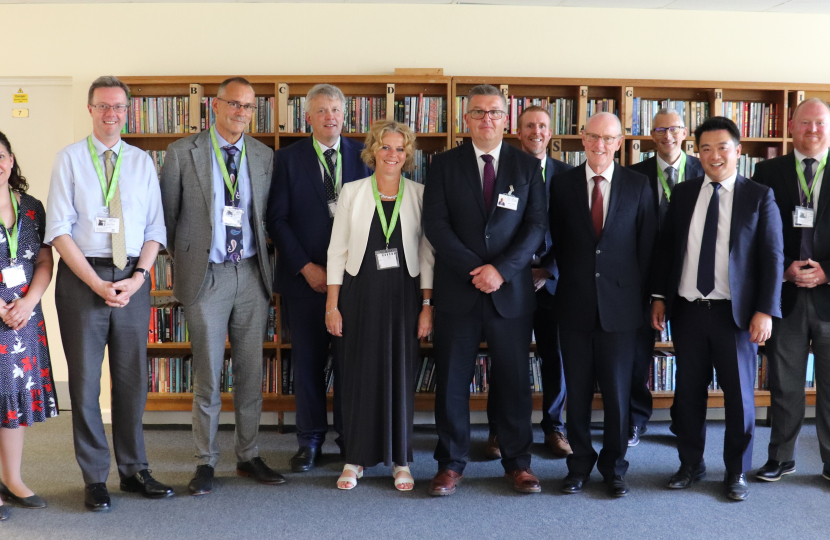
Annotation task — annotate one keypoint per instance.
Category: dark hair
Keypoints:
(717, 123)
(532, 109)
(237, 80)
(106, 81)
(16, 180)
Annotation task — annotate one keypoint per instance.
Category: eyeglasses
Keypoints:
(607, 139)
(103, 107)
(674, 130)
(235, 105)
(478, 114)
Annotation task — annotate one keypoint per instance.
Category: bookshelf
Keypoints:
(382, 91)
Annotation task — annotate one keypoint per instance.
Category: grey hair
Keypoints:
(612, 115)
(233, 80)
(325, 90)
(668, 110)
(485, 90)
(106, 81)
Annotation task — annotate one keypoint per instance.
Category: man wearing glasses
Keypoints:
(484, 213)
(665, 170)
(214, 190)
(105, 219)
(602, 224)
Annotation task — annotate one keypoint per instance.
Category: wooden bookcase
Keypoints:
(623, 91)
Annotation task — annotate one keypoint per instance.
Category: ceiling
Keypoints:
(772, 6)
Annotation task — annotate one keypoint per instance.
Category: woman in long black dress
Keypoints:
(27, 392)
(378, 259)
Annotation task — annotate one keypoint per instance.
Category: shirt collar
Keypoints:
(799, 157)
(323, 147)
(728, 184)
(495, 152)
(223, 143)
(662, 164)
(608, 174)
(101, 147)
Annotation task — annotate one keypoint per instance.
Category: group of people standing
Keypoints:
(500, 242)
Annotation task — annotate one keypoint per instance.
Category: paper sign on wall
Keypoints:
(20, 97)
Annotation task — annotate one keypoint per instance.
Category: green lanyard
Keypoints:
(101, 178)
(15, 236)
(338, 166)
(387, 231)
(800, 171)
(222, 166)
(680, 170)
(544, 164)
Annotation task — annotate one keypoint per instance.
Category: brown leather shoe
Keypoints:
(557, 443)
(492, 451)
(444, 483)
(524, 481)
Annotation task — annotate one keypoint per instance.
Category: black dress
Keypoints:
(379, 354)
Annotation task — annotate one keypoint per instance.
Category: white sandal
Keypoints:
(351, 481)
(405, 478)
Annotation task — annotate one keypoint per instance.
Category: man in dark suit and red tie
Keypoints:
(717, 273)
(484, 213)
(602, 224)
(668, 168)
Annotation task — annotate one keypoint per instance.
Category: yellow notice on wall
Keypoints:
(20, 97)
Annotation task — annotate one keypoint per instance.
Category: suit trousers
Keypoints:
(640, 407)
(605, 357)
(232, 302)
(706, 336)
(457, 339)
(310, 349)
(88, 325)
(791, 341)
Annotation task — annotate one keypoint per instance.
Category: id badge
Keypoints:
(14, 276)
(508, 201)
(387, 258)
(232, 216)
(803, 217)
(332, 209)
(109, 225)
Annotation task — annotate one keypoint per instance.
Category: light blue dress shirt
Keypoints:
(76, 199)
(217, 245)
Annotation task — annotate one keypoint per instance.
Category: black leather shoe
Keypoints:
(303, 460)
(149, 487)
(772, 471)
(573, 483)
(634, 433)
(825, 472)
(259, 471)
(687, 475)
(736, 488)
(202, 483)
(26, 502)
(4, 513)
(96, 497)
(616, 486)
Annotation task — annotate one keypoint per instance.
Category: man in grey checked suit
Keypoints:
(214, 189)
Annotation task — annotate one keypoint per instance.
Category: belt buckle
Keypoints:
(706, 301)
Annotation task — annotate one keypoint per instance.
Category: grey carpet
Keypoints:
(309, 505)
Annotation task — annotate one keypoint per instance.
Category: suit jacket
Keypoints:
(298, 214)
(605, 276)
(548, 262)
(649, 168)
(779, 174)
(756, 257)
(187, 197)
(465, 235)
(355, 210)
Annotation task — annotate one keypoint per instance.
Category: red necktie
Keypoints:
(596, 205)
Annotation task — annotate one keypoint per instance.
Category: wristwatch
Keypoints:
(427, 302)
(144, 273)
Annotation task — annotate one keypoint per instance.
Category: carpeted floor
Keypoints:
(309, 506)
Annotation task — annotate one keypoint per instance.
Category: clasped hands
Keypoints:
(486, 278)
(17, 313)
(806, 274)
(117, 294)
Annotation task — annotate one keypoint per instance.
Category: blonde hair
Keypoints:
(374, 140)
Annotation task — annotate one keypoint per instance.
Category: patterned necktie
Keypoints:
(328, 181)
(119, 240)
(489, 183)
(233, 235)
(671, 181)
(807, 233)
(706, 263)
(597, 210)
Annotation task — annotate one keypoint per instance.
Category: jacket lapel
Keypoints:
(259, 182)
(580, 192)
(348, 159)
(470, 168)
(312, 165)
(684, 218)
(791, 183)
(616, 193)
(204, 167)
(502, 176)
(737, 211)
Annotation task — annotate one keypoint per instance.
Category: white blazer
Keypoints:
(350, 232)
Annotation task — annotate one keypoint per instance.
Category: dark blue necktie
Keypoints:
(706, 263)
(807, 233)
(233, 235)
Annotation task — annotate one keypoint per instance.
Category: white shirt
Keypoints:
(662, 165)
(688, 279)
(495, 152)
(799, 157)
(604, 187)
(337, 181)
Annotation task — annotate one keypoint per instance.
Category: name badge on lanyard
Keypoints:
(387, 258)
(14, 274)
(803, 217)
(232, 216)
(508, 200)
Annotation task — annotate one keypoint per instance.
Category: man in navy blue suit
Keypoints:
(717, 273)
(602, 224)
(308, 176)
(668, 168)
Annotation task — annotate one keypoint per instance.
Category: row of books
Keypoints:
(158, 115)
(663, 336)
(643, 111)
(754, 119)
(161, 278)
(663, 373)
(574, 159)
(158, 159)
(287, 373)
(422, 163)
(480, 384)
(423, 114)
(746, 165)
(601, 105)
(262, 120)
(170, 375)
(562, 113)
(761, 376)
(167, 325)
